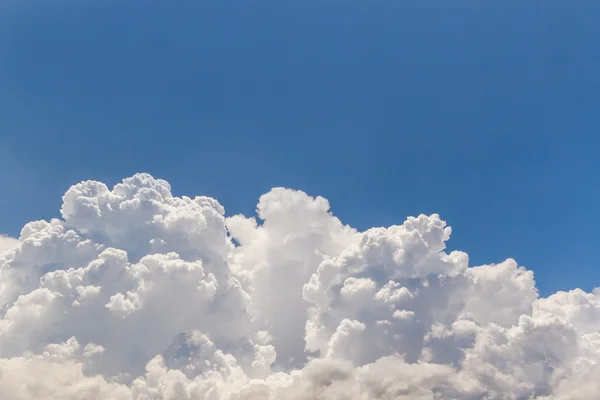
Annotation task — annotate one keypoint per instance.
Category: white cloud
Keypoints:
(138, 294)
(7, 243)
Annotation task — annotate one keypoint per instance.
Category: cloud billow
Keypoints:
(138, 294)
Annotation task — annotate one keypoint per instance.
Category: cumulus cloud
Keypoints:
(136, 294)
(7, 243)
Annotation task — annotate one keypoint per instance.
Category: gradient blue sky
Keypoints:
(487, 113)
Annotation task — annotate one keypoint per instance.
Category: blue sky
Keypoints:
(484, 112)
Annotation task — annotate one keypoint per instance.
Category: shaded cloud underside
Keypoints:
(137, 294)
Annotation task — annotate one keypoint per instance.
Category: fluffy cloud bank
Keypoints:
(138, 294)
